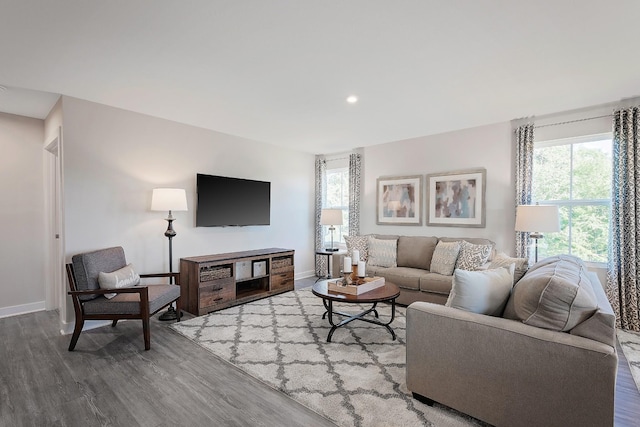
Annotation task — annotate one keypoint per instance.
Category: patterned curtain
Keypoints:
(321, 185)
(354, 194)
(623, 287)
(524, 163)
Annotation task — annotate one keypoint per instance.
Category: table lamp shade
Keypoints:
(537, 218)
(331, 217)
(169, 199)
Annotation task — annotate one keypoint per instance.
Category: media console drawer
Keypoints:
(217, 293)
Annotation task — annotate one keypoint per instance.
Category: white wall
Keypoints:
(490, 147)
(22, 252)
(114, 158)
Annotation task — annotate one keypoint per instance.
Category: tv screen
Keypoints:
(225, 201)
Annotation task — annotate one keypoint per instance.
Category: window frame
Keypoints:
(571, 203)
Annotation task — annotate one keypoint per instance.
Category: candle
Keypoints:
(347, 264)
(361, 265)
(356, 256)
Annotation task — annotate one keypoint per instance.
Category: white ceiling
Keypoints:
(279, 71)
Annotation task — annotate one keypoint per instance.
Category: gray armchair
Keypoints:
(137, 302)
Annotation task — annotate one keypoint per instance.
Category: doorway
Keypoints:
(54, 278)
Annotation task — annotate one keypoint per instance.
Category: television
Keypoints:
(224, 201)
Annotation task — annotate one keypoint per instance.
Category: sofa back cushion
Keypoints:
(416, 251)
(554, 294)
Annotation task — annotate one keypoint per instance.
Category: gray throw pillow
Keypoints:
(360, 243)
(472, 256)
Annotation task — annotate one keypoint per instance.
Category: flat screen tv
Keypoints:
(224, 201)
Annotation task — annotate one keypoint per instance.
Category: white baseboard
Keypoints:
(16, 310)
(305, 274)
(67, 328)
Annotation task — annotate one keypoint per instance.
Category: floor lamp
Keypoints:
(169, 199)
(536, 219)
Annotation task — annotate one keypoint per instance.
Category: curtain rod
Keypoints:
(573, 121)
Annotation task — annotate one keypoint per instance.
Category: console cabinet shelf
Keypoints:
(213, 282)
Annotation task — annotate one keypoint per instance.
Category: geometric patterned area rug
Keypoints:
(630, 343)
(358, 379)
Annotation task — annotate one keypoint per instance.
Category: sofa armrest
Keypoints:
(507, 373)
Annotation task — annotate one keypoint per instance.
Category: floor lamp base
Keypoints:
(170, 314)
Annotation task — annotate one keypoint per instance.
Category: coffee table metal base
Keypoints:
(350, 317)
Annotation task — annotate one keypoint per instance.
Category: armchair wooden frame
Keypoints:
(144, 313)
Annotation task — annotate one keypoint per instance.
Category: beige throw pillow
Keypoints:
(482, 292)
(444, 258)
(126, 277)
(503, 260)
(383, 252)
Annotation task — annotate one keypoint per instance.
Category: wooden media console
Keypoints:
(213, 282)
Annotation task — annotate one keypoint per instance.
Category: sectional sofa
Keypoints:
(407, 261)
(548, 359)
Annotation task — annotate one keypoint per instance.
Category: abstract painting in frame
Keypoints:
(399, 200)
(456, 199)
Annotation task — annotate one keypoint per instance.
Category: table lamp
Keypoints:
(331, 217)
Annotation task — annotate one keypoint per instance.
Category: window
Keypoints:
(575, 174)
(338, 198)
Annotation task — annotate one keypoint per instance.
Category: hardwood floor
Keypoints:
(110, 380)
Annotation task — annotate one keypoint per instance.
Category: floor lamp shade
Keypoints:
(169, 199)
(536, 219)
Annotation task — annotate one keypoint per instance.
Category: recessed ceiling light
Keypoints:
(352, 99)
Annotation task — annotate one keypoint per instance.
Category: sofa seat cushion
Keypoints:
(404, 277)
(436, 283)
(554, 294)
(129, 303)
(416, 251)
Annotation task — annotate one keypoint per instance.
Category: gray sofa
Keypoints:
(412, 274)
(550, 360)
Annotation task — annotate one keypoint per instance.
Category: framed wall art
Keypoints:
(399, 200)
(457, 199)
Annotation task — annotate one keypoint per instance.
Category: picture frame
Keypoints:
(399, 200)
(457, 199)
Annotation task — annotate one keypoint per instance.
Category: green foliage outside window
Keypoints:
(577, 177)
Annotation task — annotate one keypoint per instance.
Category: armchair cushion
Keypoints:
(129, 303)
(122, 278)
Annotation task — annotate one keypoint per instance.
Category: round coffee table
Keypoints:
(387, 293)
